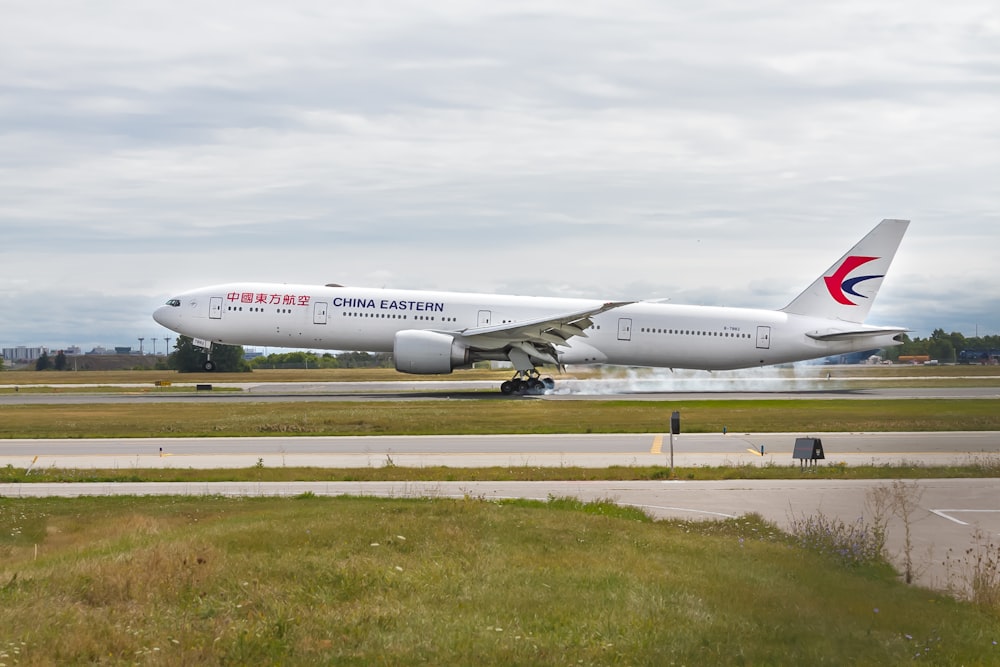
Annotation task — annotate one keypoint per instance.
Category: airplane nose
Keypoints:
(164, 316)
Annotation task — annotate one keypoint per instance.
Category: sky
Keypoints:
(716, 153)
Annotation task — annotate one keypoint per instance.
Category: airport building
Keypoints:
(22, 354)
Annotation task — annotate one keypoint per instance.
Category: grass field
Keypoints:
(493, 416)
(352, 581)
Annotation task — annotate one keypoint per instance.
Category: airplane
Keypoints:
(434, 332)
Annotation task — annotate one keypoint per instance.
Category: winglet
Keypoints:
(847, 289)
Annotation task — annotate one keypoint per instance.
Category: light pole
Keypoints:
(140, 344)
(166, 339)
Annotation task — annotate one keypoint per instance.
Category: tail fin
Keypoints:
(848, 288)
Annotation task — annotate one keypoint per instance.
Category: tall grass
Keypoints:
(975, 574)
(375, 581)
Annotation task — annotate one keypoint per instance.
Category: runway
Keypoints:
(463, 451)
(704, 389)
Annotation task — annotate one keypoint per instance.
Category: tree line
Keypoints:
(187, 358)
(946, 348)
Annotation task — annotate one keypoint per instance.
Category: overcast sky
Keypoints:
(721, 153)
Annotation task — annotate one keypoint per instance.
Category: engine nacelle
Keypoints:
(428, 352)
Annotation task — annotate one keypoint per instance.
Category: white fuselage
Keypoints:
(637, 334)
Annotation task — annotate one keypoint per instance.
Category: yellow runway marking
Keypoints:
(657, 445)
(754, 451)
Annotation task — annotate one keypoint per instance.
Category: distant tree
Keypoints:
(958, 340)
(296, 359)
(230, 359)
(187, 358)
(60, 363)
(941, 350)
(940, 346)
(364, 360)
(43, 363)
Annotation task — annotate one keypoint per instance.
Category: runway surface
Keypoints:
(567, 390)
(462, 451)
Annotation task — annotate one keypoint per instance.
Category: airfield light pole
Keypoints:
(166, 339)
(140, 344)
(153, 338)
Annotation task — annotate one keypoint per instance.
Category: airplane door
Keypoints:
(215, 307)
(485, 317)
(763, 338)
(319, 312)
(624, 328)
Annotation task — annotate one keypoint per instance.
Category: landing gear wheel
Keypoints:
(527, 382)
(209, 365)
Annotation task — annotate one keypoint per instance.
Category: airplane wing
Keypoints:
(537, 338)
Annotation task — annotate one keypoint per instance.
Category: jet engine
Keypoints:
(428, 352)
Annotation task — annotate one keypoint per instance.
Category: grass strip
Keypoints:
(440, 417)
(977, 467)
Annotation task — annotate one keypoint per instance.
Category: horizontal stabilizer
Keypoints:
(857, 334)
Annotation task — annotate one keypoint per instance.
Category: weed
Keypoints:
(857, 543)
(899, 499)
(977, 572)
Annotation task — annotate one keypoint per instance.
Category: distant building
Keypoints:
(22, 354)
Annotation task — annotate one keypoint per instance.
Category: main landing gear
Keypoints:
(527, 383)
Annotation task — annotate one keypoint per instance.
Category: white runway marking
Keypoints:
(946, 514)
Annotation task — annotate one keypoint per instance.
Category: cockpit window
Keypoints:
(174, 302)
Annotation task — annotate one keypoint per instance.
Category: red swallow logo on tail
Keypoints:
(840, 285)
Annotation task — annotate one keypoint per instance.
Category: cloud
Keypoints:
(714, 153)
